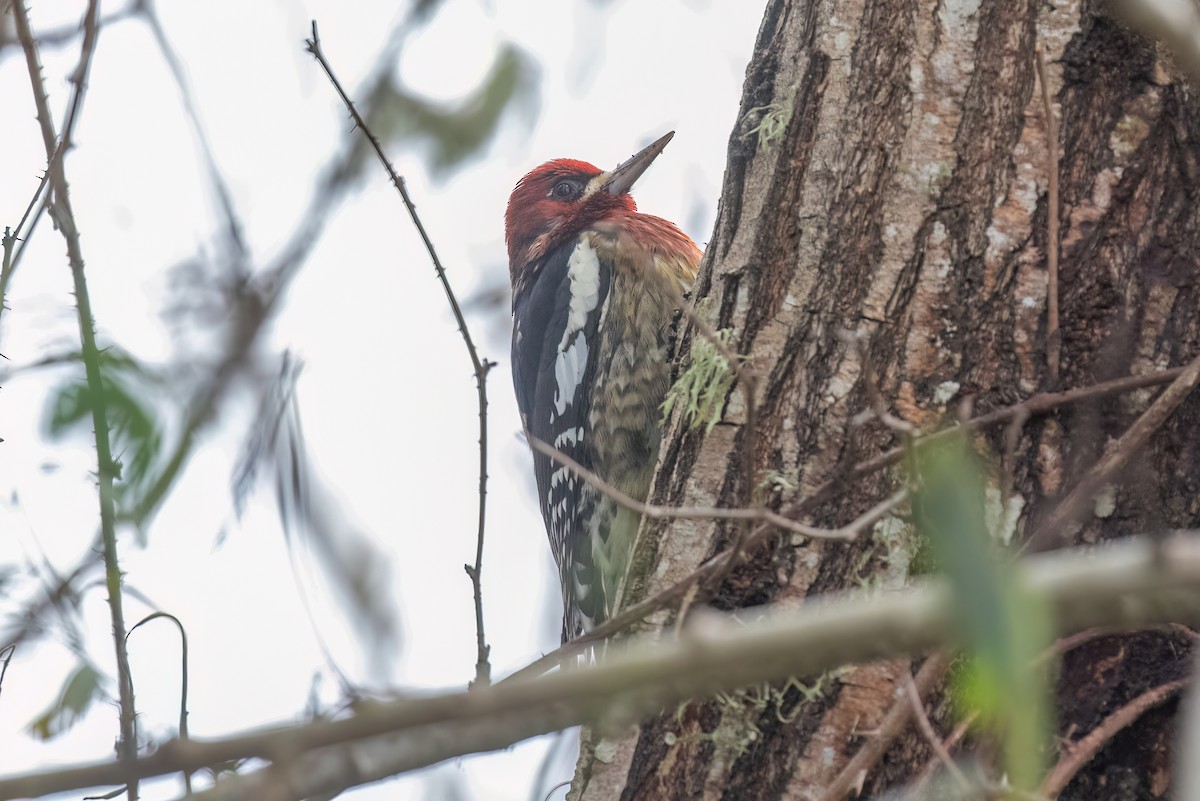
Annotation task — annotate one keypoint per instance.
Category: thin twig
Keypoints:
(1119, 454)
(913, 792)
(736, 361)
(145, 9)
(1012, 440)
(91, 27)
(1082, 751)
(7, 244)
(892, 726)
(543, 771)
(685, 512)
(64, 35)
(60, 209)
(479, 365)
(1123, 583)
(1060, 647)
(1041, 403)
(876, 406)
(707, 574)
(1053, 335)
(931, 736)
(748, 381)
(183, 678)
(1038, 404)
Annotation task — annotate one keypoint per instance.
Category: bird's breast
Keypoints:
(631, 382)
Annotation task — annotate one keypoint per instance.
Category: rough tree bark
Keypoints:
(905, 198)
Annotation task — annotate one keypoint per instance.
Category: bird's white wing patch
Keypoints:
(570, 365)
(583, 270)
(569, 368)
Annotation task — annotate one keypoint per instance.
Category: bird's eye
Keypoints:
(565, 190)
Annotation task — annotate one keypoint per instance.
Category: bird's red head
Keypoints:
(563, 197)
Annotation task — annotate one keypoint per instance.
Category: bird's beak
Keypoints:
(621, 179)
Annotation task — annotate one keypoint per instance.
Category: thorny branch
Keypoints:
(479, 365)
(1126, 583)
(63, 214)
(667, 598)
(12, 254)
(91, 27)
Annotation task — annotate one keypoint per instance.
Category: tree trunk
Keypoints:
(889, 177)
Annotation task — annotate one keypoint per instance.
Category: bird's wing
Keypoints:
(556, 340)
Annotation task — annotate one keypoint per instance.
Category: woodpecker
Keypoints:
(595, 288)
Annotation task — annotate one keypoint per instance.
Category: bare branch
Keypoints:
(935, 742)
(893, 725)
(686, 512)
(1129, 583)
(6, 655)
(479, 365)
(1038, 404)
(1053, 336)
(1118, 455)
(1041, 403)
(12, 254)
(914, 791)
(748, 381)
(1081, 752)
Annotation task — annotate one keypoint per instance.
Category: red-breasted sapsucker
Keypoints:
(595, 287)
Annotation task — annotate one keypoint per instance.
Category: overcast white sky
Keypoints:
(386, 394)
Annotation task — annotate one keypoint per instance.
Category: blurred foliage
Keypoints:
(309, 513)
(136, 435)
(222, 302)
(1003, 623)
(79, 691)
(451, 134)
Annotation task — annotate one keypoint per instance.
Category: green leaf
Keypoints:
(68, 407)
(80, 690)
(454, 132)
(127, 388)
(1004, 624)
